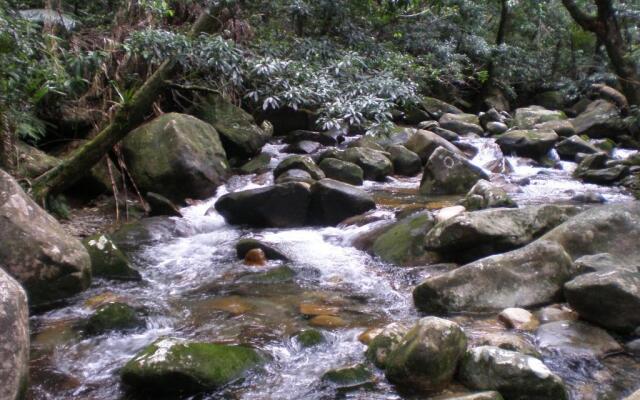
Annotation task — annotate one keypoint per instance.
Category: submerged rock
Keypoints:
(575, 340)
(309, 337)
(473, 235)
(332, 202)
(107, 261)
(177, 156)
(343, 171)
(449, 173)
(607, 298)
(36, 250)
(516, 376)
(526, 277)
(279, 206)
(113, 317)
(245, 245)
(14, 331)
(492, 395)
(427, 356)
(349, 377)
(174, 367)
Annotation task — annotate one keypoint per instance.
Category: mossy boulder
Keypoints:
(342, 171)
(484, 194)
(375, 164)
(240, 135)
(349, 377)
(601, 119)
(405, 162)
(403, 243)
(33, 162)
(274, 275)
(436, 108)
(177, 156)
(528, 117)
(462, 124)
(107, 261)
(424, 143)
(304, 163)
(256, 165)
(427, 357)
(333, 202)
(309, 338)
(385, 342)
(448, 173)
(113, 317)
(174, 367)
(534, 144)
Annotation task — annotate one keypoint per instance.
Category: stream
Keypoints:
(195, 288)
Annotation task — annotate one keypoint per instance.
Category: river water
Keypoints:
(194, 287)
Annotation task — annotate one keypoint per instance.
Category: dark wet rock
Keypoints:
(405, 162)
(606, 176)
(508, 341)
(304, 163)
(255, 257)
(403, 243)
(294, 175)
(551, 99)
(160, 206)
(351, 377)
(575, 340)
(484, 194)
(272, 252)
(447, 135)
(385, 342)
(436, 108)
(462, 124)
(309, 338)
(366, 142)
(528, 117)
(257, 164)
(173, 367)
(591, 162)
(302, 147)
(496, 128)
(528, 143)
(274, 275)
(177, 156)
(469, 150)
(130, 237)
(589, 197)
(107, 261)
(607, 298)
(570, 147)
(424, 143)
(601, 119)
(113, 317)
(343, 171)
(605, 145)
(240, 135)
(427, 356)
(518, 318)
(332, 202)
(329, 138)
(633, 347)
(449, 173)
(472, 235)
(515, 375)
(36, 250)
(375, 164)
(556, 312)
(563, 128)
(526, 277)
(14, 331)
(278, 206)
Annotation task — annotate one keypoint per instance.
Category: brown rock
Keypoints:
(255, 257)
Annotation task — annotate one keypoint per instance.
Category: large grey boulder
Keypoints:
(343, 171)
(607, 298)
(601, 119)
(462, 124)
(516, 376)
(36, 250)
(14, 345)
(278, 206)
(405, 162)
(240, 135)
(472, 235)
(570, 147)
(448, 172)
(436, 108)
(375, 164)
(304, 163)
(427, 356)
(528, 143)
(385, 342)
(528, 117)
(177, 156)
(332, 202)
(529, 276)
(424, 143)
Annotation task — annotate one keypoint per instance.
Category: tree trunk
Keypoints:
(606, 28)
(7, 145)
(126, 119)
(491, 82)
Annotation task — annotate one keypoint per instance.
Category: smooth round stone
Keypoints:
(255, 257)
(327, 321)
(367, 336)
(232, 304)
(311, 309)
(556, 312)
(518, 318)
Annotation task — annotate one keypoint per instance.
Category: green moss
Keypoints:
(404, 241)
(309, 337)
(113, 317)
(170, 367)
(258, 164)
(349, 377)
(107, 260)
(275, 275)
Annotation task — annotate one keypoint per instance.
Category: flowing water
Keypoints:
(194, 287)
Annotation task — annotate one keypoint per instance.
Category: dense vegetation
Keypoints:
(68, 65)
